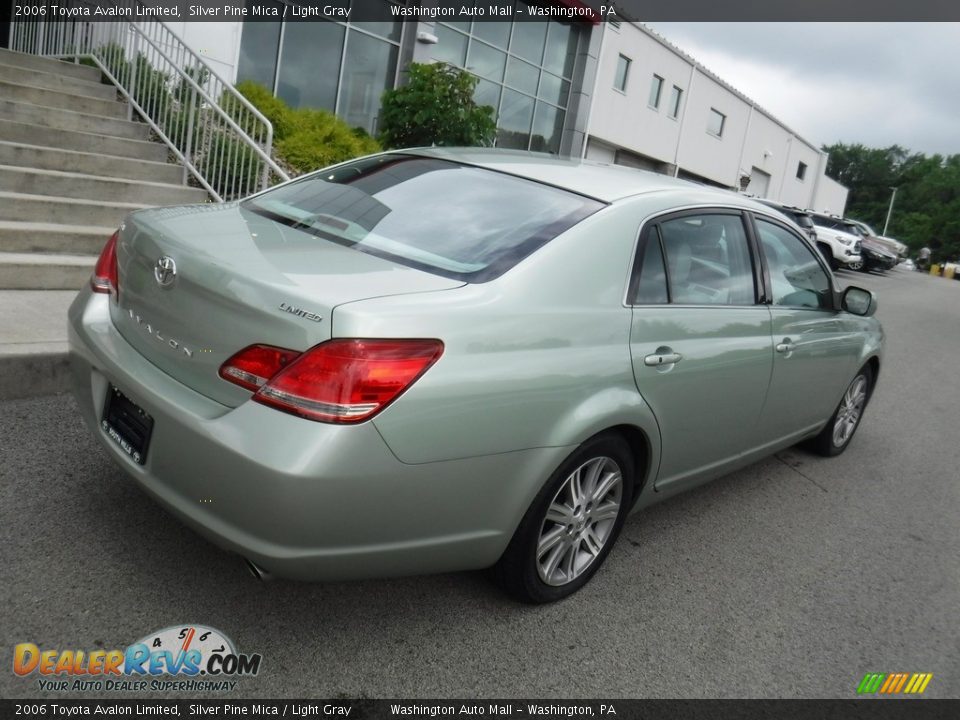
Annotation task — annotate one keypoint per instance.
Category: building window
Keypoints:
(623, 69)
(524, 71)
(801, 171)
(675, 96)
(359, 61)
(656, 88)
(716, 122)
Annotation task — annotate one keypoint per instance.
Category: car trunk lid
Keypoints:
(199, 283)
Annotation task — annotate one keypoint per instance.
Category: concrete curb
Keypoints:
(33, 371)
(33, 342)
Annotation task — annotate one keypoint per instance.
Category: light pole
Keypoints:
(889, 211)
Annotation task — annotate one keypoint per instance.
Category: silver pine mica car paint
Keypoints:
(439, 359)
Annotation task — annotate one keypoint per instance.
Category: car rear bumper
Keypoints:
(301, 499)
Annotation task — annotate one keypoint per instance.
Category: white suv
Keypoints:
(838, 246)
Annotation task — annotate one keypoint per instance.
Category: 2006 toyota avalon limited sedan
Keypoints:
(437, 360)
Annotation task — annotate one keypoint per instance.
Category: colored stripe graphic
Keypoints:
(894, 683)
(871, 683)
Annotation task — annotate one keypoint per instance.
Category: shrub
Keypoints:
(436, 107)
(306, 139)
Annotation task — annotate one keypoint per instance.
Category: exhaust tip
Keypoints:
(258, 572)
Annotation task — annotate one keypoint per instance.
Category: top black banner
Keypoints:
(589, 11)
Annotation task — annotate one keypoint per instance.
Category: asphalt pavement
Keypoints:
(791, 578)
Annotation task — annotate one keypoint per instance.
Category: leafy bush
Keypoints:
(436, 107)
(307, 139)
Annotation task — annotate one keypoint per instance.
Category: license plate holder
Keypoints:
(127, 424)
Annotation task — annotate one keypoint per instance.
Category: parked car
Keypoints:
(908, 264)
(802, 218)
(875, 254)
(838, 245)
(440, 359)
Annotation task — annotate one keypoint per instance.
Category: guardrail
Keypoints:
(219, 137)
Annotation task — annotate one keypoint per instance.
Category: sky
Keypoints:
(878, 84)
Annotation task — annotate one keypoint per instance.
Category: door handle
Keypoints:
(668, 358)
(786, 347)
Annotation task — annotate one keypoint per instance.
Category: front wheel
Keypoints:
(838, 432)
(858, 265)
(571, 525)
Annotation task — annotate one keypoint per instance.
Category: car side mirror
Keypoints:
(859, 301)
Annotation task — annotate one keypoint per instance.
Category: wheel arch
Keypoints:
(642, 451)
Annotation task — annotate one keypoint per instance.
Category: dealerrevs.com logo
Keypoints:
(182, 657)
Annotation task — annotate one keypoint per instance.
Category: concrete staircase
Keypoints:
(71, 168)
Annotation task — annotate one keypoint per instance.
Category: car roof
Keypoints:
(600, 181)
(783, 206)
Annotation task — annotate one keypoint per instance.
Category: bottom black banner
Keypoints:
(874, 709)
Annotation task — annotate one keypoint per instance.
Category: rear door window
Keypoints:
(695, 259)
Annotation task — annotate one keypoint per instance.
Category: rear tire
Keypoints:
(571, 525)
(840, 429)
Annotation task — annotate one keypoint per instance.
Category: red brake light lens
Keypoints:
(252, 367)
(105, 278)
(348, 381)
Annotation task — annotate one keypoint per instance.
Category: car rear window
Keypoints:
(453, 220)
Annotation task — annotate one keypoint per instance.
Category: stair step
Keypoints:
(61, 119)
(45, 158)
(58, 99)
(33, 208)
(56, 81)
(92, 187)
(50, 65)
(21, 132)
(32, 271)
(31, 237)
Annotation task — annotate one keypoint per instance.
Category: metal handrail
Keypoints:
(219, 137)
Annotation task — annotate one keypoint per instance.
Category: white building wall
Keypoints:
(625, 119)
(753, 141)
(831, 197)
(801, 192)
(715, 158)
(216, 42)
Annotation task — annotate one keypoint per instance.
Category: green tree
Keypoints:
(927, 207)
(436, 107)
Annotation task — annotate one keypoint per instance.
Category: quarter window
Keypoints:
(623, 69)
(652, 279)
(796, 278)
(656, 88)
(707, 262)
(801, 170)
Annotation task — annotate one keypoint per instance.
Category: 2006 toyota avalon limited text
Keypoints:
(437, 360)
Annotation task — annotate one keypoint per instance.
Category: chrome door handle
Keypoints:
(786, 347)
(662, 359)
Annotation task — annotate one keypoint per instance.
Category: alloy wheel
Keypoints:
(848, 414)
(579, 521)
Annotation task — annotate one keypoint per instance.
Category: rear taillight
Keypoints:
(105, 278)
(340, 381)
(253, 366)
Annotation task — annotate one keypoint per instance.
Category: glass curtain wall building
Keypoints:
(526, 72)
(340, 67)
(526, 69)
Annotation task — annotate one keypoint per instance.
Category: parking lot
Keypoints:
(791, 578)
